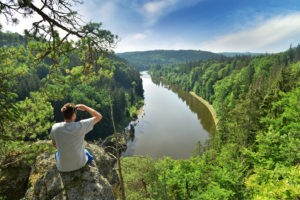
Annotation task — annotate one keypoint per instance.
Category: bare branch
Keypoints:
(117, 152)
(53, 22)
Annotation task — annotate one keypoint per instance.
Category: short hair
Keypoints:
(68, 110)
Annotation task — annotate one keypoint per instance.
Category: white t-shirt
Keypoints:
(69, 139)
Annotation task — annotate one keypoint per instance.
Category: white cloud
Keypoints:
(140, 36)
(274, 34)
(153, 10)
(93, 10)
(133, 42)
(137, 42)
(155, 7)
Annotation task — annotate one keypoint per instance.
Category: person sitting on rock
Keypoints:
(68, 137)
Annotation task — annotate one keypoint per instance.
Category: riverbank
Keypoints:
(140, 111)
(203, 101)
(208, 105)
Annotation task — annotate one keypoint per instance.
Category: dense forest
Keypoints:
(255, 153)
(234, 54)
(34, 90)
(143, 60)
(110, 79)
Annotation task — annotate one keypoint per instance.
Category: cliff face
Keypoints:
(94, 181)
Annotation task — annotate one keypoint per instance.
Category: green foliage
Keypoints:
(285, 113)
(255, 152)
(21, 152)
(132, 111)
(195, 178)
(279, 183)
(11, 68)
(12, 39)
(40, 72)
(140, 176)
(33, 120)
(62, 76)
(97, 37)
(37, 80)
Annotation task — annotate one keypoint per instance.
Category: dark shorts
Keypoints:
(87, 153)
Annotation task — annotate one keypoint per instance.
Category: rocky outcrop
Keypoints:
(90, 182)
(14, 175)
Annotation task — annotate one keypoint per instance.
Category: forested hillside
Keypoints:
(33, 91)
(144, 59)
(255, 153)
(234, 54)
(12, 39)
(29, 83)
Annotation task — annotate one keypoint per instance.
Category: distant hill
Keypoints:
(144, 59)
(233, 54)
(12, 39)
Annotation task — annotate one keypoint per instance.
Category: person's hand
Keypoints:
(97, 116)
(81, 107)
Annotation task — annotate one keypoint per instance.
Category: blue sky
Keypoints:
(212, 25)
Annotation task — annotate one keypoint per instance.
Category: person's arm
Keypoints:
(97, 116)
(54, 144)
(52, 138)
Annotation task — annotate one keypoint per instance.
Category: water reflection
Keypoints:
(169, 124)
(203, 114)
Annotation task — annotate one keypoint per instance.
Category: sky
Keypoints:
(265, 26)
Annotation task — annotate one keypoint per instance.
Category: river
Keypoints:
(172, 123)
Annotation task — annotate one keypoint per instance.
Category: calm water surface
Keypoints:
(172, 123)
